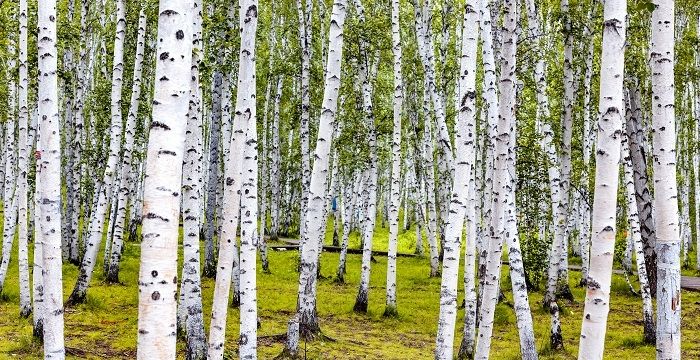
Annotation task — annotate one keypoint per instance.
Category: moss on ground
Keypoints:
(105, 326)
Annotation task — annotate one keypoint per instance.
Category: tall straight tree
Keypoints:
(50, 179)
(23, 149)
(233, 170)
(190, 308)
(465, 130)
(314, 218)
(395, 199)
(95, 229)
(163, 181)
(611, 112)
(246, 107)
(668, 290)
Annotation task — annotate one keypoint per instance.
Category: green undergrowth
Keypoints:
(105, 326)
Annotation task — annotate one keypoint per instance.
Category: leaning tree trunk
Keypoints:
(465, 129)
(395, 187)
(636, 135)
(191, 288)
(126, 174)
(314, 220)
(162, 184)
(668, 300)
(228, 250)
(611, 104)
(647, 306)
(49, 195)
(95, 230)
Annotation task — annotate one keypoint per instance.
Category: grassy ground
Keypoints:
(105, 327)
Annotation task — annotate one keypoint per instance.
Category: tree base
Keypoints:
(391, 312)
(564, 292)
(361, 303)
(112, 276)
(75, 298)
(38, 331)
(466, 352)
(25, 311)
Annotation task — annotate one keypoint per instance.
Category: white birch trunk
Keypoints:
(246, 105)
(163, 182)
(395, 189)
(126, 167)
(611, 104)
(465, 129)
(95, 230)
(234, 167)
(315, 224)
(24, 147)
(191, 290)
(49, 195)
(668, 293)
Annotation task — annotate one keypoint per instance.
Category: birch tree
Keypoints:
(668, 292)
(50, 179)
(395, 191)
(95, 229)
(190, 309)
(162, 184)
(25, 302)
(465, 150)
(246, 107)
(611, 116)
(314, 220)
(125, 175)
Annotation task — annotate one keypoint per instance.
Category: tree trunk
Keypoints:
(636, 136)
(163, 183)
(647, 306)
(395, 187)
(246, 105)
(24, 147)
(465, 129)
(95, 231)
(125, 178)
(191, 289)
(611, 103)
(314, 221)
(668, 335)
(49, 195)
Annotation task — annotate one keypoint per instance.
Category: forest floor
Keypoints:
(105, 326)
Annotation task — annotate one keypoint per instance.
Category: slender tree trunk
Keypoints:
(10, 196)
(275, 164)
(315, 224)
(163, 182)
(95, 231)
(465, 150)
(647, 306)
(191, 289)
(25, 301)
(636, 136)
(611, 103)
(668, 335)
(246, 105)
(126, 167)
(213, 180)
(395, 188)
(49, 195)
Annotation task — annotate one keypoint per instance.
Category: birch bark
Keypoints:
(611, 104)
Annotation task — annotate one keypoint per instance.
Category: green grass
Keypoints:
(105, 326)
